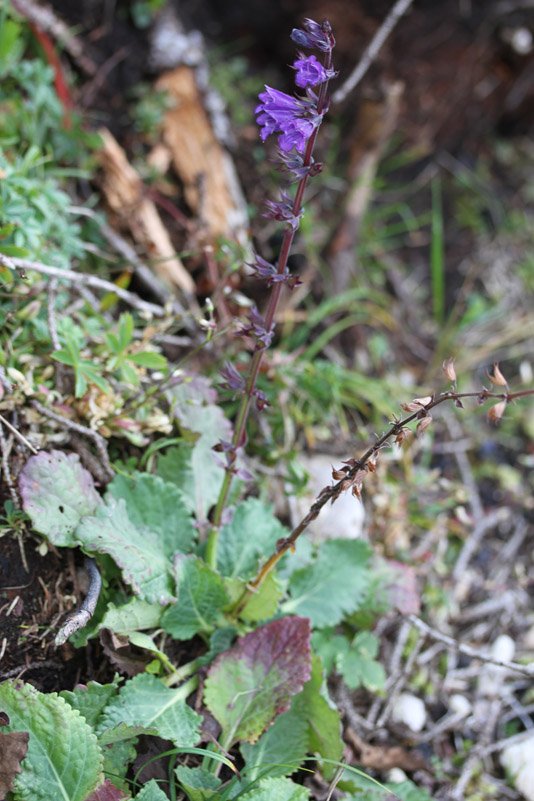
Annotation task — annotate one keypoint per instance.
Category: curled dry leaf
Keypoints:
(448, 369)
(423, 424)
(496, 412)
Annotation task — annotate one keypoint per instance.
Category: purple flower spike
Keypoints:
(310, 72)
(256, 326)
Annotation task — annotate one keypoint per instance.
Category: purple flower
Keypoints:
(282, 211)
(281, 113)
(269, 273)
(232, 379)
(310, 72)
(256, 326)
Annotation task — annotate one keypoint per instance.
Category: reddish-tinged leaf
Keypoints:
(253, 682)
(107, 792)
(13, 748)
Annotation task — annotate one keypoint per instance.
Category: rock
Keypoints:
(410, 710)
(492, 676)
(342, 519)
(460, 705)
(518, 762)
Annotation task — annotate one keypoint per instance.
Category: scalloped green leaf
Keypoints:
(56, 493)
(151, 792)
(157, 505)
(64, 761)
(358, 665)
(324, 721)
(281, 749)
(251, 535)
(201, 598)
(276, 790)
(333, 586)
(197, 783)
(145, 701)
(91, 700)
(253, 682)
(137, 551)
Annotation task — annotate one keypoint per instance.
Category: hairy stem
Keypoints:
(332, 493)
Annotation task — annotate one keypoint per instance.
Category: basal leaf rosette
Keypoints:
(253, 682)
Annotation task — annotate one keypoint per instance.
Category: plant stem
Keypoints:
(182, 673)
(332, 493)
(255, 364)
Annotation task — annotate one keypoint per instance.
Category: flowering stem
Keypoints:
(255, 364)
(332, 492)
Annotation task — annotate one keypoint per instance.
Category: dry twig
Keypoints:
(99, 441)
(75, 278)
(474, 653)
(397, 12)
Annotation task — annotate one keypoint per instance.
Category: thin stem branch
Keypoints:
(332, 493)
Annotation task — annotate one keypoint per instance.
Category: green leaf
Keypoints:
(64, 761)
(145, 701)
(358, 665)
(118, 757)
(333, 586)
(196, 473)
(154, 361)
(251, 535)
(137, 551)
(324, 721)
(56, 493)
(200, 472)
(197, 783)
(281, 749)
(125, 330)
(330, 647)
(201, 598)
(135, 615)
(151, 792)
(253, 682)
(263, 604)
(91, 700)
(276, 790)
(157, 505)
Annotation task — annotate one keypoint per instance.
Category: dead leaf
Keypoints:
(107, 792)
(13, 749)
(383, 757)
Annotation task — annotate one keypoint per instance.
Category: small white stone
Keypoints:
(396, 776)
(503, 648)
(459, 705)
(518, 761)
(344, 519)
(410, 710)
